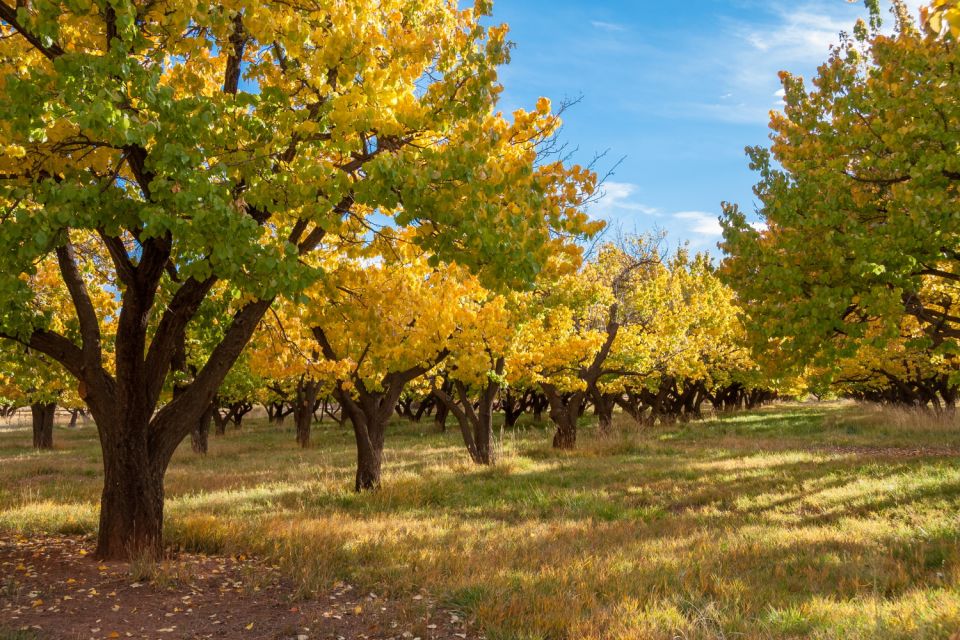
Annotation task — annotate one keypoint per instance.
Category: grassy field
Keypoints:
(821, 521)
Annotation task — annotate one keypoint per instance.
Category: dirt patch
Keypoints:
(51, 587)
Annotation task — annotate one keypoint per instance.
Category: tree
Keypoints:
(475, 370)
(31, 379)
(567, 347)
(392, 322)
(221, 144)
(859, 223)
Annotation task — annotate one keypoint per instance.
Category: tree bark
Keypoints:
(476, 425)
(369, 415)
(200, 436)
(307, 392)
(43, 414)
(603, 404)
(131, 506)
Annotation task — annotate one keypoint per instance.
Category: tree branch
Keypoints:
(86, 314)
(9, 15)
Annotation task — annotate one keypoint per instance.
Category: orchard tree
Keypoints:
(858, 197)
(567, 347)
(474, 373)
(31, 379)
(287, 360)
(220, 144)
(393, 321)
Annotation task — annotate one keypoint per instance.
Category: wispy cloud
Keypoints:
(795, 36)
(607, 26)
(700, 222)
(619, 198)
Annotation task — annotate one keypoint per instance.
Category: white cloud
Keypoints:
(700, 222)
(791, 35)
(607, 26)
(618, 197)
(759, 226)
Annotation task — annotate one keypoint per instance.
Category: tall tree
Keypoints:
(223, 143)
(859, 221)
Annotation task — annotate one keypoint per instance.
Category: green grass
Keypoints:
(822, 521)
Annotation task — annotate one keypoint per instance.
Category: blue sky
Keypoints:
(677, 88)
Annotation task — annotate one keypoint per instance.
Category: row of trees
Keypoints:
(654, 336)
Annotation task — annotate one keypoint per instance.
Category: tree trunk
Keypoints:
(369, 414)
(131, 506)
(43, 414)
(563, 411)
(307, 391)
(199, 437)
(603, 405)
(369, 458)
(476, 424)
(440, 417)
(220, 421)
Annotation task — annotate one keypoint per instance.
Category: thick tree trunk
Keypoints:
(307, 392)
(131, 506)
(369, 415)
(603, 405)
(200, 436)
(566, 434)
(219, 420)
(43, 414)
(369, 458)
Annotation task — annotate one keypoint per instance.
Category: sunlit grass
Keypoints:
(823, 521)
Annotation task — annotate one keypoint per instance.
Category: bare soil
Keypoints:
(51, 587)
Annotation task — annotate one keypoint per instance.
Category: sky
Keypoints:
(675, 89)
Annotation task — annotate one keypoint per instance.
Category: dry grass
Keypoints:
(822, 521)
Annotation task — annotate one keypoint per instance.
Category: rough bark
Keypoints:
(42, 414)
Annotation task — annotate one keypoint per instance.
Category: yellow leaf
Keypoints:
(249, 626)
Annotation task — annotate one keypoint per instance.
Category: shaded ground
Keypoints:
(52, 588)
(824, 521)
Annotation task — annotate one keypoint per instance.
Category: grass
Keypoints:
(796, 521)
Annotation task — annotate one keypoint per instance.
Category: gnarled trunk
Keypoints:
(564, 410)
(476, 424)
(42, 414)
(603, 404)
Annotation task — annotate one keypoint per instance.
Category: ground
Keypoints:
(796, 521)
